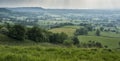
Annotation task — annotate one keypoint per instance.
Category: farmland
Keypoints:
(109, 39)
(38, 34)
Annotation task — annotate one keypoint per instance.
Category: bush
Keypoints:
(75, 40)
(68, 42)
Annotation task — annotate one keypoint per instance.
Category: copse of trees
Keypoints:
(101, 29)
(35, 34)
(81, 31)
(58, 38)
(89, 27)
(38, 35)
(17, 32)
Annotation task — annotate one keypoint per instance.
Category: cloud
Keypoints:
(88, 4)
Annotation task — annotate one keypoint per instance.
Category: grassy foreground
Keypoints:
(37, 53)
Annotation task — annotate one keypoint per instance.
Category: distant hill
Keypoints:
(4, 10)
(27, 9)
(59, 11)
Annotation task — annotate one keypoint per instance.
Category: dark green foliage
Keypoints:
(89, 27)
(1, 26)
(58, 37)
(7, 25)
(101, 29)
(17, 32)
(99, 45)
(75, 40)
(4, 30)
(106, 46)
(92, 44)
(119, 43)
(38, 35)
(81, 31)
(97, 32)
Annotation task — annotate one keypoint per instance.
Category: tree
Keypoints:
(76, 40)
(38, 35)
(97, 32)
(89, 27)
(101, 28)
(81, 31)
(58, 38)
(17, 32)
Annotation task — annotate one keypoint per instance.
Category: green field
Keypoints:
(69, 30)
(106, 34)
(106, 41)
(110, 39)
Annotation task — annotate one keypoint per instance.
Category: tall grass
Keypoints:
(36, 53)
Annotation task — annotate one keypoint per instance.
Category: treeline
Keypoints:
(35, 34)
(38, 35)
(58, 25)
(87, 28)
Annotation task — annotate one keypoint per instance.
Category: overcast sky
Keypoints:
(71, 4)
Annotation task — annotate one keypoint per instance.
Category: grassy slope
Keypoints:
(36, 53)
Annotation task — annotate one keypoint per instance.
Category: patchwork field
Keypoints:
(12, 50)
(110, 39)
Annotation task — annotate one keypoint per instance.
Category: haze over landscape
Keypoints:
(63, 4)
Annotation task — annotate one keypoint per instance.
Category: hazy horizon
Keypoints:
(63, 4)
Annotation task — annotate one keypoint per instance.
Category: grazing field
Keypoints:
(37, 53)
(106, 41)
(69, 30)
(106, 34)
(110, 39)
